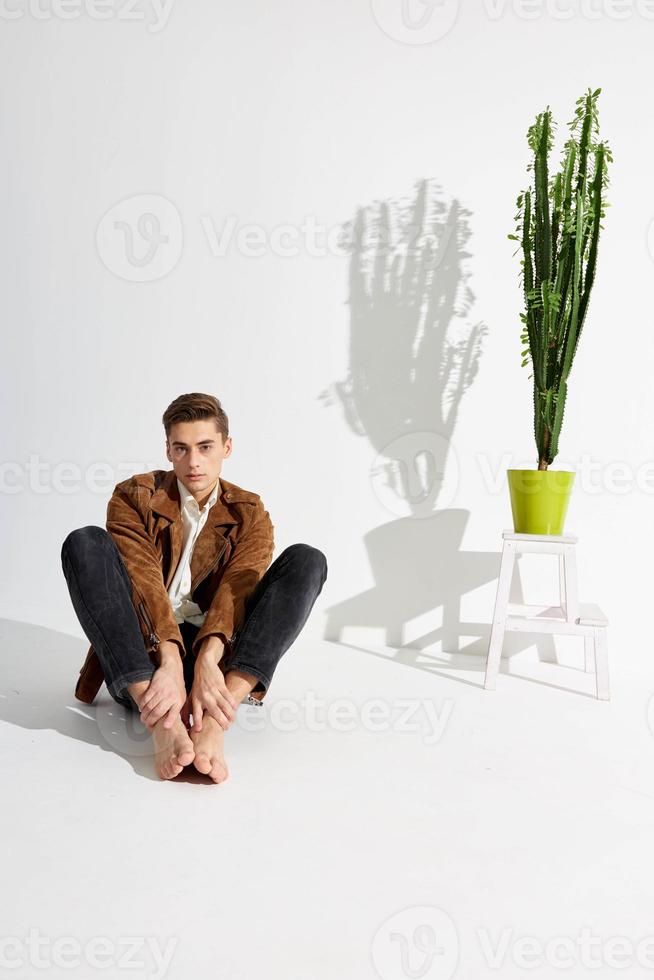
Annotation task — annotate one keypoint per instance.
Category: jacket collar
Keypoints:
(186, 496)
(167, 502)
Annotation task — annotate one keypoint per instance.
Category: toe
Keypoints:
(219, 770)
(186, 756)
(164, 770)
(202, 763)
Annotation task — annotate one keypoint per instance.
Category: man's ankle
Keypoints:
(239, 684)
(137, 690)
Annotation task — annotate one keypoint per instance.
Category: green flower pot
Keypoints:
(539, 500)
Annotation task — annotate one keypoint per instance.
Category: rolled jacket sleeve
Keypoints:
(126, 526)
(251, 557)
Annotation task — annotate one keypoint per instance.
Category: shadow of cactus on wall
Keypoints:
(413, 352)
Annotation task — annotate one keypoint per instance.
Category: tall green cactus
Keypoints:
(558, 226)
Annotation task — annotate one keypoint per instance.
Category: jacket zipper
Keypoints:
(153, 638)
(210, 568)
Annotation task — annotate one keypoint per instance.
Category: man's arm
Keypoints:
(126, 526)
(249, 560)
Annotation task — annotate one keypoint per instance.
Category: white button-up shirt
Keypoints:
(194, 520)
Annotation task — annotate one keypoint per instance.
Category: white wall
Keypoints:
(278, 114)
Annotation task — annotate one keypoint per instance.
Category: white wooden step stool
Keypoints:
(571, 617)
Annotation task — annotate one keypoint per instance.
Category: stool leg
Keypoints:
(589, 654)
(571, 606)
(499, 615)
(601, 664)
(562, 583)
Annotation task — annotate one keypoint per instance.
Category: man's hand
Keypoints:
(166, 692)
(209, 692)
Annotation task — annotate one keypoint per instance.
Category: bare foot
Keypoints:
(173, 749)
(209, 750)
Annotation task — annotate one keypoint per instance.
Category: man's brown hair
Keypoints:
(194, 406)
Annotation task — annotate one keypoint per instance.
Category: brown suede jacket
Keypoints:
(230, 555)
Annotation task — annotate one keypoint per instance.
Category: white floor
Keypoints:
(473, 834)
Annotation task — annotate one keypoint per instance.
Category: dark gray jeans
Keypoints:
(100, 590)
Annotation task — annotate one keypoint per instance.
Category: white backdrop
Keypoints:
(290, 118)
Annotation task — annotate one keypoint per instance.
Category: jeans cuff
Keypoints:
(118, 687)
(263, 679)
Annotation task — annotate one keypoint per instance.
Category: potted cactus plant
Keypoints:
(558, 224)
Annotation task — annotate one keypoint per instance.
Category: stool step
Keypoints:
(591, 615)
(551, 619)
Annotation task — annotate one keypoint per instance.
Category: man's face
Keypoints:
(197, 448)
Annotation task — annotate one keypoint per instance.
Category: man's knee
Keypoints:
(81, 539)
(309, 558)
